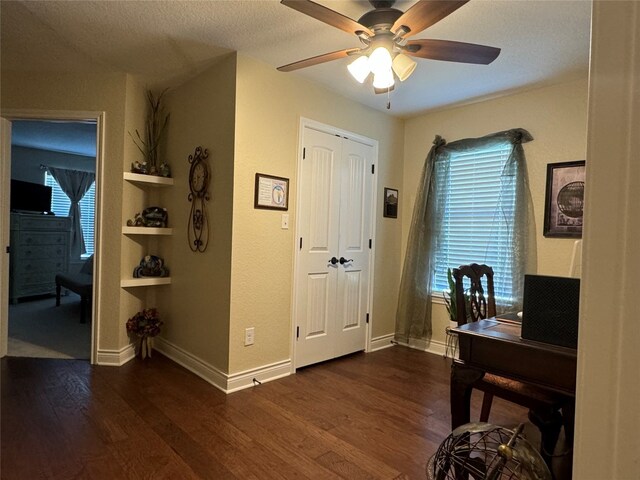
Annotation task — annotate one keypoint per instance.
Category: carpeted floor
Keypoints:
(38, 328)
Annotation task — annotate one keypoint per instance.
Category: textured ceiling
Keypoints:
(167, 42)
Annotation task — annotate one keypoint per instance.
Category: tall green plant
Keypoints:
(156, 124)
(451, 302)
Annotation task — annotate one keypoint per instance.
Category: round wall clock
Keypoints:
(198, 230)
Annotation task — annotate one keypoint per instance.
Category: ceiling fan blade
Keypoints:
(309, 62)
(450, 51)
(326, 15)
(424, 14)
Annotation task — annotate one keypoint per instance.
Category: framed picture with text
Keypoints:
(271, 192)
(564, 199)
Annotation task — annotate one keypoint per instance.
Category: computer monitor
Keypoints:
(550, 310)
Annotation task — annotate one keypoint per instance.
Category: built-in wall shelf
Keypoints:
(147, 231)
(150, 180)
(144, 282)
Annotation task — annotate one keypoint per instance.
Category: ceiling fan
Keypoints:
(384, 33)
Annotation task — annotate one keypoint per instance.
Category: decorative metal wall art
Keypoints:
(151, 266)
(156, 217)
(198, 230)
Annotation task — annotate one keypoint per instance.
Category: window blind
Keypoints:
(60, 205)
(477, 211)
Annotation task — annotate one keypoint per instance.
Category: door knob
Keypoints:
(344, 260)
(333, 260)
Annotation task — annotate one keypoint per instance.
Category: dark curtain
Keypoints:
(74, 184)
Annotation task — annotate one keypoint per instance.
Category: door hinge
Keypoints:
(367, 318)
(370, 243)
(8, 249)
(300, 243)
(304, 153)
(373, 168)
(297, 332)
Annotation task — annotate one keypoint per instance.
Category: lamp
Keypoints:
(383, 79)
(383, 65)
(380, 61)
(359, 68)
(403, 66)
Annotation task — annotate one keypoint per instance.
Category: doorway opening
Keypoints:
(53, 220)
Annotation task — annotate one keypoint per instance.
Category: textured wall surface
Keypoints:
(269, 107)
(196, 304)
(88, 92)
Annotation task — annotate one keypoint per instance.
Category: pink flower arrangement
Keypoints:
(145, 324)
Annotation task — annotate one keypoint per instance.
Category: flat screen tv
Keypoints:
(30, 197)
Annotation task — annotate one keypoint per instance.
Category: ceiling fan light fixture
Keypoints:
(403, 66)
(383, 80)
(380, 61)
(359, 68)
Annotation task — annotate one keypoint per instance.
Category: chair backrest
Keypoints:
(474, 303)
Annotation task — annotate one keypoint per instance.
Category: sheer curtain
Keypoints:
(413, 316)
(74, 184)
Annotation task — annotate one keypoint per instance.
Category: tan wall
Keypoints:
(88, 92)
(556, 117)
(607, 421)
(269, 107)
(195, 307)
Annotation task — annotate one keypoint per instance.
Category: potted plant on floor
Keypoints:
(145, 325)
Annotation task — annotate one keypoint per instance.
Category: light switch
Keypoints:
(285, 221)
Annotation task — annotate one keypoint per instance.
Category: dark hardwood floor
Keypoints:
(366, 416)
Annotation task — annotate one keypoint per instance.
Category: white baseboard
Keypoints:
(116, 358)
(378, 343)
(266, 373)
(434, 346)
(192, 363)
(226, 383)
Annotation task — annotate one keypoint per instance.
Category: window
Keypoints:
(60, 205)
(477, 210)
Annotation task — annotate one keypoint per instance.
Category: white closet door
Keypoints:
(334, 223)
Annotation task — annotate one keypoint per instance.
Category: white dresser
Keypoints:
(39, 250)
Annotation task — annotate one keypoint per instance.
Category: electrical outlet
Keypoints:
(285, 221)
(249, 336)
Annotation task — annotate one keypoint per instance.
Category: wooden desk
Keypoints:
(489, 346)
(497, 347)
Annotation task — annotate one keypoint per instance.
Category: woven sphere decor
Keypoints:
(483, 451)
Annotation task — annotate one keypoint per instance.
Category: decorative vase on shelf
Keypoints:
(151, 266)
(149, 143)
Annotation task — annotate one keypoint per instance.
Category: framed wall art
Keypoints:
(271, 192)
(390, 203)
(564, 199)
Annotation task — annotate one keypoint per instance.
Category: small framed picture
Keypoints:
(271, 192)
(564, 199)
(390, 203)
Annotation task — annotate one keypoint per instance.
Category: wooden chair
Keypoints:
(473, 304)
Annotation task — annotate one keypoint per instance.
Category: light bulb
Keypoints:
(359, 68)
(380, 61)
(383, 79)
(403, 66)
